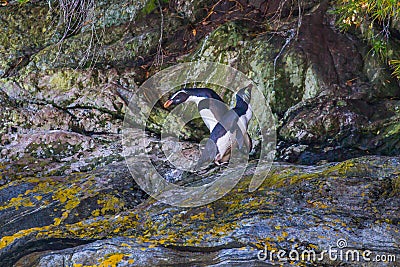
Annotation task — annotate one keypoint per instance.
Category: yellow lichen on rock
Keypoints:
(110, 204)
(108, 261)
(6, 240)
(113, 260)
(17, 202)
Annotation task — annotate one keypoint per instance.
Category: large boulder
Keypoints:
(297, 207)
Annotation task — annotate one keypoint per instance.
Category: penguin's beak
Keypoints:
(167, 103)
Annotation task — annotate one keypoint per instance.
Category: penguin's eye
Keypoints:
(181, 97)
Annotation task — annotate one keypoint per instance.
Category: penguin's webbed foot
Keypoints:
(218, 163)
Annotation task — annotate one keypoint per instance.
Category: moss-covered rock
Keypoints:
(24, 32)
(283, 75)
(333, 128)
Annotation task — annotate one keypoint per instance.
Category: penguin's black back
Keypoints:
(203, 92)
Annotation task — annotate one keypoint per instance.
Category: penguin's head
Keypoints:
(191, 95)
(177, 98)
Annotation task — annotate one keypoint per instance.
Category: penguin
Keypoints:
(227, 126)
(210, 105)
(230, 130)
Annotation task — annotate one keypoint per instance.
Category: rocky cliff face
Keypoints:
(67, 197)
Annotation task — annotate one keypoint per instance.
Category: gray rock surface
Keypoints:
(67, 197)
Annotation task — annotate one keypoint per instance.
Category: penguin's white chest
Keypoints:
(224, 143)
(208, 118)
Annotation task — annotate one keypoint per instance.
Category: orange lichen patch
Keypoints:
(303, 177)
(57, 221)
(96, 213)
(223, 229)
(69, 196)
(266, 244)
(278, 178)
(275, 179)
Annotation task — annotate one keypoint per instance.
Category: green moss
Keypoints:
(52, 150)
(222, 46)
(18, 32)
(303, 177)
(62, 81)
(149, 7)
(393, 130)
(340, 169)
(276, 179)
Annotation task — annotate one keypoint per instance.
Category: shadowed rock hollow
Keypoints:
(67, 197)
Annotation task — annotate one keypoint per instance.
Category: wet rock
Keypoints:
(334, 128)
(56, 152)
(300, 207)
(68, 199)
(60, 201)
(60, 122)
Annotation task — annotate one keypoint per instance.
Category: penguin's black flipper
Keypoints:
(207, 154)
(212, 111)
